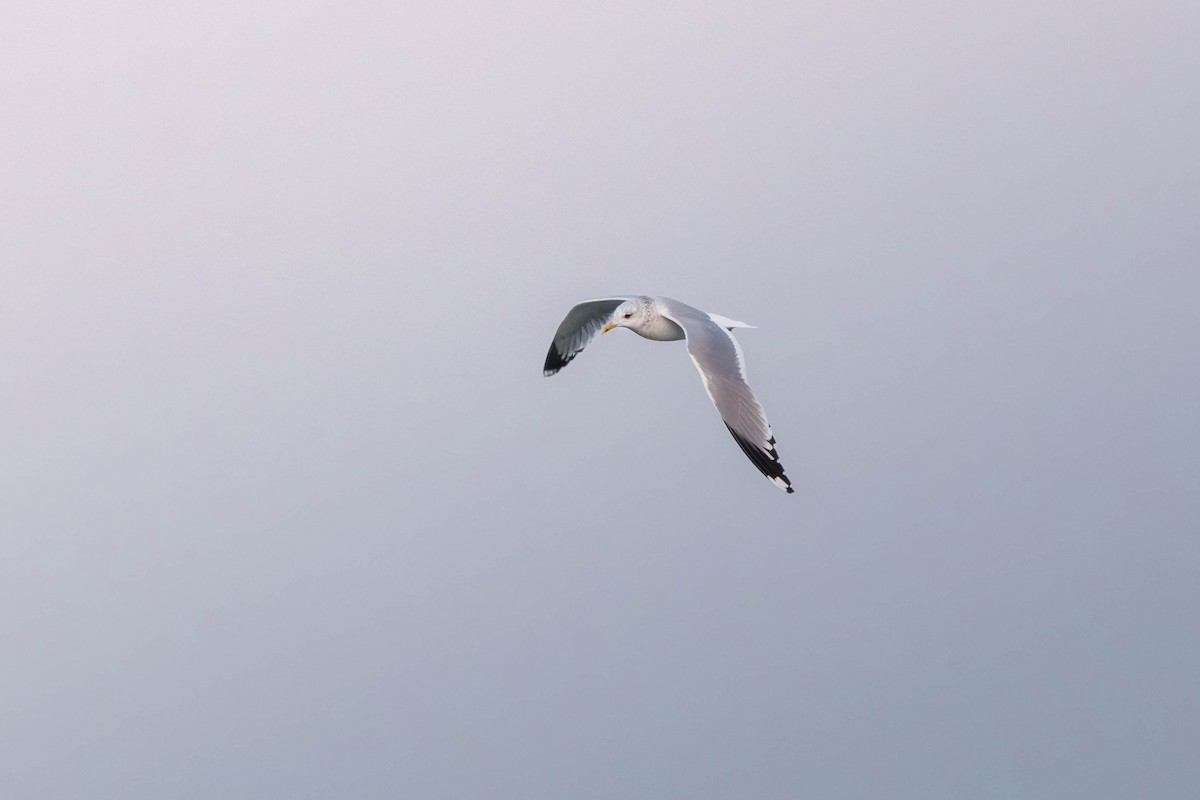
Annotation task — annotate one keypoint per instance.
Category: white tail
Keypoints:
(727, 323)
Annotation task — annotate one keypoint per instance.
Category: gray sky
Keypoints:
(289, 510)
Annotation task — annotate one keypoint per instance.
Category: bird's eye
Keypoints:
(628, 315)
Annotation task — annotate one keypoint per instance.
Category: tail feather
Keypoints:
(727, 323)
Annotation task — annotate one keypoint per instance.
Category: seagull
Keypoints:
(710, 343)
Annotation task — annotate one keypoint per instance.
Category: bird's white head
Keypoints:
(630, 314)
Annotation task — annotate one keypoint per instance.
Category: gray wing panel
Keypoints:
(578, 328)
(719, 361)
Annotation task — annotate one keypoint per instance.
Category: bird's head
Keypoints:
(627, 315)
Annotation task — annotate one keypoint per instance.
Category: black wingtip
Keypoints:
(554, 361)
(767, 460)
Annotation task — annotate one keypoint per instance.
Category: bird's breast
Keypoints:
(660, 329)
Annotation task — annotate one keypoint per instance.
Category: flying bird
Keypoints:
(712, 347)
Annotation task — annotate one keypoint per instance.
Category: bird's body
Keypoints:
(713, 349)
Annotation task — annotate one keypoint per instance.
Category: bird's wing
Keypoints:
(579, 326)
(719, 361)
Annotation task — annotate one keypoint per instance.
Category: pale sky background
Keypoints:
(288, 509)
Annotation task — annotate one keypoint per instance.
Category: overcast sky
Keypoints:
(288, 510)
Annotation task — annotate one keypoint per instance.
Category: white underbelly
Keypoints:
(661, 330)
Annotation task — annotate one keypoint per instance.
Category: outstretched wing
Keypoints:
(579, 326)
(719, 361)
